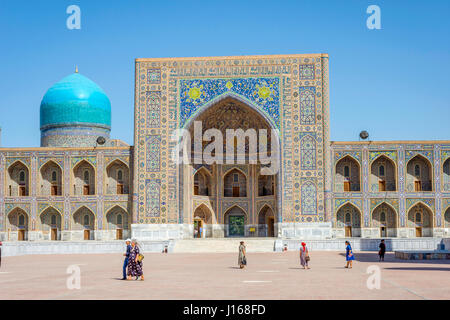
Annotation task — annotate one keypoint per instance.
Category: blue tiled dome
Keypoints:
(75, 100)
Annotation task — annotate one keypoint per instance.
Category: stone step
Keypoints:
(223, 245)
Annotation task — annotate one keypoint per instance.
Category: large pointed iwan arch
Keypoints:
(185, 208)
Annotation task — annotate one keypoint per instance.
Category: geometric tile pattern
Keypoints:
(153, 109)
(308, 153)
(263, 92)
(306, 71)
(153, 197)
(309, 197)
(153, 143)
(307, 105)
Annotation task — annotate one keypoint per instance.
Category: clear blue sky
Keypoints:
(392, 82)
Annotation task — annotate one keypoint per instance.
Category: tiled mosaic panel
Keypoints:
(153, 144)
(153, 193)
(263, 92)
(153, 109)
(266, 84)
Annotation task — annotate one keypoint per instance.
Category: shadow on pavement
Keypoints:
(420, 269)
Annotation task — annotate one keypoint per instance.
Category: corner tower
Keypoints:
(74, 113)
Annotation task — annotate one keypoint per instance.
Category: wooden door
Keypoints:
(22, 191)
(195, 190)
(54, 234)
(119, 234)
(346, 186)
(54, 190)
(235, 191)
(87, 234)
(85, 190)
(417, 185)
(21, 235)
(419, 232)
(381, 185)
(383, 232)
(270, 226)
(348, 231)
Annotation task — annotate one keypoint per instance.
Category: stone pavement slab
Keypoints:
(216, 276)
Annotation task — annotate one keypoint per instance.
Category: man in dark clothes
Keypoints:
(382, 247)
(125, 262)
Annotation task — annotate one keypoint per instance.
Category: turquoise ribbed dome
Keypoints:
(75, 100)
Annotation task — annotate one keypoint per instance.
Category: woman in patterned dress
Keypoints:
(135, 266)
(303, 254)
(242, 260)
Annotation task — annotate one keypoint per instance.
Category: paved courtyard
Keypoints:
(216, 276)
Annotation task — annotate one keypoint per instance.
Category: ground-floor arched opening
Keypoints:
(202, 222)
(118, 222)
(420, 217)
(384, 218)
(17, 225)
(348, 217)
(266, 222)
(84, 221)
(235, 220)
(50, 220)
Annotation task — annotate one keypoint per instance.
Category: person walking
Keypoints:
(135, 262)
(242, 260)
(304, 256)
(127, 256)
(349, 255)
(382, 251)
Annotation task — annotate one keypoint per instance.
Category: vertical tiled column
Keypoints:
(365, 185)
(327, 168)
(219, 189)
(99, 186)
(252, 206)
(2, 194)
(34, 173)
(285, 205)
(67, 190)
(437, 185)
(401, 185)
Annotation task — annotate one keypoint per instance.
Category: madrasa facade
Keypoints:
(81, 184)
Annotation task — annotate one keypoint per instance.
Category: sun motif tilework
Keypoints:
(263, 92)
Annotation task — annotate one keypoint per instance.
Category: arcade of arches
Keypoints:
(235, 199)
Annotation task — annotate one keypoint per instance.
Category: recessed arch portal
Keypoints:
(118, 221)
(420, 217)
(18, 224)
(50, 221)
(446, 175)
(51, 179)
(348, 217)
(238, 175)
(84, 220)
(18, 180)
(235, 220)
(383, 175)
(348, 175)
(83, 178)
(419, 174)
(266, 222)
(203, 220)
(385, 218)
(117, 178)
